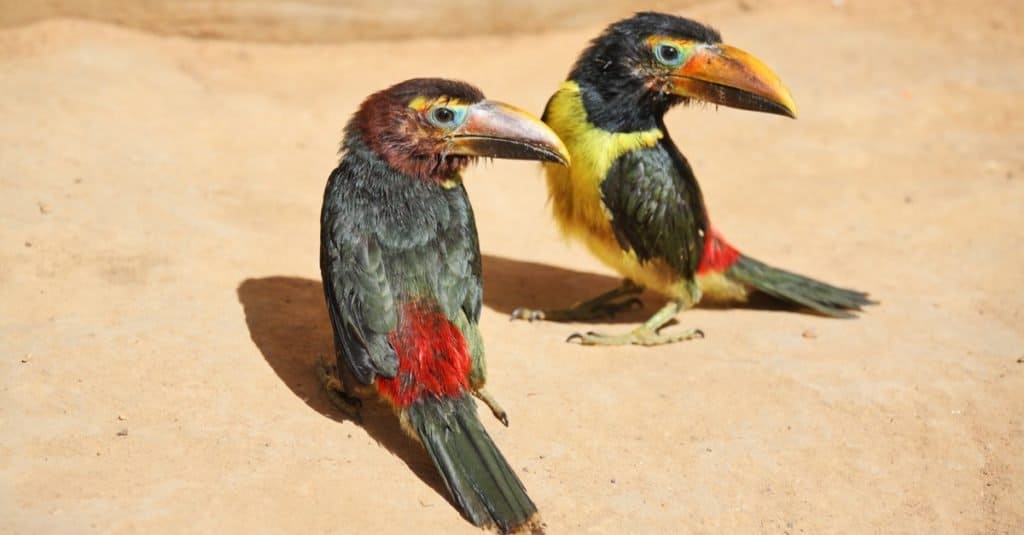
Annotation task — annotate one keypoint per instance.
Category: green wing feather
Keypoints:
(656, 211)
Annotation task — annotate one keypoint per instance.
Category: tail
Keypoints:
(477, 476)
(788, 286)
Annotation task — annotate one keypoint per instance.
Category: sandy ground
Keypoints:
(332, 21)
(161, 306)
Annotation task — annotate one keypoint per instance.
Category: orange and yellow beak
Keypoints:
(726, 75)
(496, 130)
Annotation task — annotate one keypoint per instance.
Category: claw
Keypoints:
(493, 404)
(602, 306)
(335, 389)
(642, 336)
(325, 372)
(523, 313)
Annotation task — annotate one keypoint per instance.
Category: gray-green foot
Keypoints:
(492, 404)
(335, 389)
(603, 306)
(648, 334)
(642, 336)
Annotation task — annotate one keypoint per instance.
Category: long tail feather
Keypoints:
(477, 475)
(819, 296)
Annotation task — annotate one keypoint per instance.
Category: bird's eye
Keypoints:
(447, 116)
(668, 54)
(443, 115)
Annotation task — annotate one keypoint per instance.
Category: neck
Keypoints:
(588, 140)
(434, 169)
(586, 135)
(405, 160)
(623, 109)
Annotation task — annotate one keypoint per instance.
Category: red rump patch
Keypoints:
(433, 358)
(718, 254)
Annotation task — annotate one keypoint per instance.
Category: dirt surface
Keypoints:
(162, 311)
(332, 21)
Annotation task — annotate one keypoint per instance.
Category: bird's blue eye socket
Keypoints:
(447, 116)
(668, 53)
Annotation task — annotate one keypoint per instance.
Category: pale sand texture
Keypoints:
(333, 21)
(161, 306)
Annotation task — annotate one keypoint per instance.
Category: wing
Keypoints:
(464, 262)
(459, 285)
(656, 207)
(359, 298)
(471, 271)
(457, 282)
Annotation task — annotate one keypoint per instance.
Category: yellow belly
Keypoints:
(718, 288)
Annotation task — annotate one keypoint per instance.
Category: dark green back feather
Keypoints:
(656, 206)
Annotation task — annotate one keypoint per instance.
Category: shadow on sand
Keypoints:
(287, 320)
(509, 284)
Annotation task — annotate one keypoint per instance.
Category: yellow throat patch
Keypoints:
(576, 191)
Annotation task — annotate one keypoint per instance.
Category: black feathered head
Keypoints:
(641, 66)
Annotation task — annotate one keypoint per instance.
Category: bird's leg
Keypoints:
(647, 334)
(493, 404)
(338, 390)
(602, 306)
